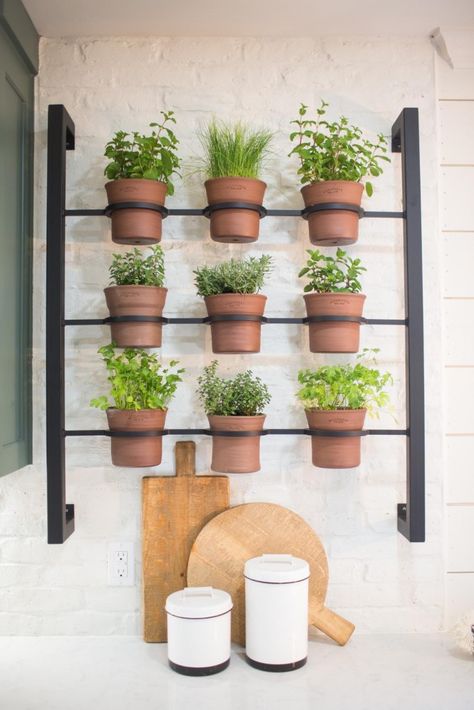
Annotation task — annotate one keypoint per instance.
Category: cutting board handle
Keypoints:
(333, 625)
(185, 456)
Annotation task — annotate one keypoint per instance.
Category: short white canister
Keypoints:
(276, 612)
(198, 630)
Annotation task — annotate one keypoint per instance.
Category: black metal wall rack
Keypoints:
(61, 138)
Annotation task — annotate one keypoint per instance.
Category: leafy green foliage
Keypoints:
(153, 157)
(335, 150)
(243, 396)
(233, 276)
(344, 387)
(137, 379)
(134, 269)
(233, 150)
(327, 274)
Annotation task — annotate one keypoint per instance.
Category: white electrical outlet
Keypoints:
(121, 564)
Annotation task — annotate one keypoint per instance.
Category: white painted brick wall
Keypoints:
(379, 581)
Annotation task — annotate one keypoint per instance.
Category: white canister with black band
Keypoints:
(198, 620)
(276, 612)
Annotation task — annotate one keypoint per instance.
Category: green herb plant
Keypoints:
(245, 395)
(348, 386)
(233, 276)
(335, 150)
(327, 274)
(137, 380)
(134, 269)
(153, 157)
(233, 150)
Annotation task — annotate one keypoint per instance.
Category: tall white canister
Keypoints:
(276, 612)
(198, 621)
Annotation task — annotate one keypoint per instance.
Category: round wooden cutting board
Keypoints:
(231, 538)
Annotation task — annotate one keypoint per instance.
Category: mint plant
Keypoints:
(138, 380)
(233, 276)
(233, 150)
(327, 274)
(136, 155)
(245, 395)
(134, 269)
(345, 387)
(335, 150)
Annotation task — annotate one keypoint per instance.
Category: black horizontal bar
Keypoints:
(200, 212)
(263, 432)
(207, 319)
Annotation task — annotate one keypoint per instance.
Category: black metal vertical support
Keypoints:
(405, 139)
(60, 139)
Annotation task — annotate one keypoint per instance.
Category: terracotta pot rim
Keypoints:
(235, 177)
(157, 288)
(233, 295)
(144, 180)
(328, 182)
(331, 411)
(334, 293)
(236, 417)
(136, 411)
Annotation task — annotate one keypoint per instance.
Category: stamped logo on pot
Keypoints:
(338, 420)
(338, 301)
(332, 190)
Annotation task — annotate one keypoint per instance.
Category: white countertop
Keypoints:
(376, 672)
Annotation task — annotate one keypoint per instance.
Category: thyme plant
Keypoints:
(233, 276)
(335, 150)
(138, 380)
(245, 395)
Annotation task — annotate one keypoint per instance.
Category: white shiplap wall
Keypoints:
(455, 89)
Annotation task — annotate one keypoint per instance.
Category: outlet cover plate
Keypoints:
(121, 564)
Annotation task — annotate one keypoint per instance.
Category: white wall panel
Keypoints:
(456, 121)
(459, 469)
(459, 596)
(458, 260)
(460, 538)
(457, 198)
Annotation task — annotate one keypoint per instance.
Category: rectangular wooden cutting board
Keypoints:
(175, 509)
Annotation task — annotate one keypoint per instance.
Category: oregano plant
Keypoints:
(133, 268)
(357, 386)
(137, 379)
(335, 150)
(233, 276)
(244, 395)
(328, 274)
(137, 155)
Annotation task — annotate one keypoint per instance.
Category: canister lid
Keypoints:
(276, 569)
(198, 603)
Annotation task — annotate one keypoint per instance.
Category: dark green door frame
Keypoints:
(18, 67)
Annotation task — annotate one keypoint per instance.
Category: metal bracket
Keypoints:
(327, 206)
(234, 205)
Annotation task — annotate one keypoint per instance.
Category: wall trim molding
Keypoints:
(21, 30)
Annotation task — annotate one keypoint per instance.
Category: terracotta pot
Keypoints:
(136, 226)
(332, 227)
(334, 336)
(136, 451)
(236, 336)
(334, 451)
(136, 301)
(236, 454)
(235, 225)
